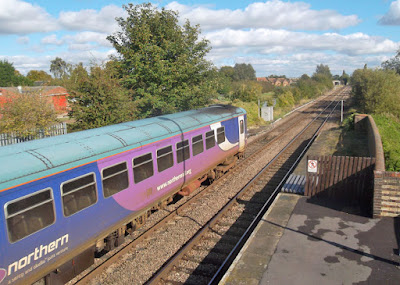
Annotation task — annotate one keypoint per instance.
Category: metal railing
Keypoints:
(13, 138)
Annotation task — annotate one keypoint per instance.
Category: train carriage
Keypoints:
(65, 198)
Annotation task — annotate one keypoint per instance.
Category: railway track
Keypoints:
(205, 258)
(174, 214)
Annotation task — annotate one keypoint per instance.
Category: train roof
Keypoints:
(31, 160)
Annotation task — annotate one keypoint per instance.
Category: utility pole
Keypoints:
(341, 113)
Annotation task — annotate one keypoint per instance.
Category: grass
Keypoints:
(389, 129)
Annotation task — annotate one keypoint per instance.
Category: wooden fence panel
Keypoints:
(348, 179)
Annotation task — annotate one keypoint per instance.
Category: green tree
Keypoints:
(25, 113)
(161, 62)
(9, 76)
(60, 68)
(323, 70)
(97, 99)
(244, 71)
(228, 72)
(247, 91)
(393, 63)
(344, 78)
(38, 75)
(377, 91)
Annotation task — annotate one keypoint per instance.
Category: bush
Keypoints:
(389, 129)
(252, 112)
(25, 113)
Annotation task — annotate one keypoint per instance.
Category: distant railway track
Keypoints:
(142, 240)
(204, 259)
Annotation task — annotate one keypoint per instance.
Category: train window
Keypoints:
(78, 194)
(220, 135)
(241, 126)
(115, 179)
(182, 151)
(142, 167)
(165, 158)
(197, 145)
(210, 139)
(29, 214)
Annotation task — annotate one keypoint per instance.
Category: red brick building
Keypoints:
(275, 81)
(56, 94)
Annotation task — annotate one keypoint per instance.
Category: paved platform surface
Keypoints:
(303, 241)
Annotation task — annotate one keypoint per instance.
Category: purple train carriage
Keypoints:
(66, 198)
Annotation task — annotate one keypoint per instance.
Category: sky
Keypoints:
(276, 37)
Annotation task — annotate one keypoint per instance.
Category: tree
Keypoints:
(323, 70)
(227, 71)
(377, 91)
(161, 62)
(9, 76)
(60, 68)
(244, 71)
(25, 113)
(345, 77)
(97, 99)
(393, 63)
(38, 75)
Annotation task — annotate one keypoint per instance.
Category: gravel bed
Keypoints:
(140, 263)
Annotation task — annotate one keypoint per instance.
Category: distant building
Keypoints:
(276, 81)
(56, 94)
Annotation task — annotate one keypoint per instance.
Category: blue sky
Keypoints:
(276, 36)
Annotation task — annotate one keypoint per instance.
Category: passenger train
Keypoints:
(64, 199)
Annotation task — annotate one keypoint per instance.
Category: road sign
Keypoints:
(312, 166)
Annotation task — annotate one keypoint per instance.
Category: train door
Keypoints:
(242, 132)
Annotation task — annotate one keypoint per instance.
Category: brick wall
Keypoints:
(386, 201)
(386, 194)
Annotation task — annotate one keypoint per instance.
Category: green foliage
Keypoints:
(285, 99)
(60, 68)
(393, 63)
(228, 72)
(161, 62)
(377, 91)
(323, 70)
(389, 129)
(345, 78)
(9, 76)
(252, 112)
(97, 99)
(38, 75)
(246, 91)
(25, 113)
(244, 71)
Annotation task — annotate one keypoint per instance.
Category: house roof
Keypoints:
(45, 90)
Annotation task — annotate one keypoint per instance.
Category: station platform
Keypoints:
(304, 241)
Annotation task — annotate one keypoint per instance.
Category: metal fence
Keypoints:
(13, 138)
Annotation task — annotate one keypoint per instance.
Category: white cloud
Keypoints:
(392, 17)
(23, 40)
(51, 40)
(90, 37)
(295, 65)
(92, 20)
(267, 41)
(20, 17)
(273, 14)
(24, 63)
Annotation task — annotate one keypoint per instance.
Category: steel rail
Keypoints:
(173, 261)
(175, 212)
(232, 255)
